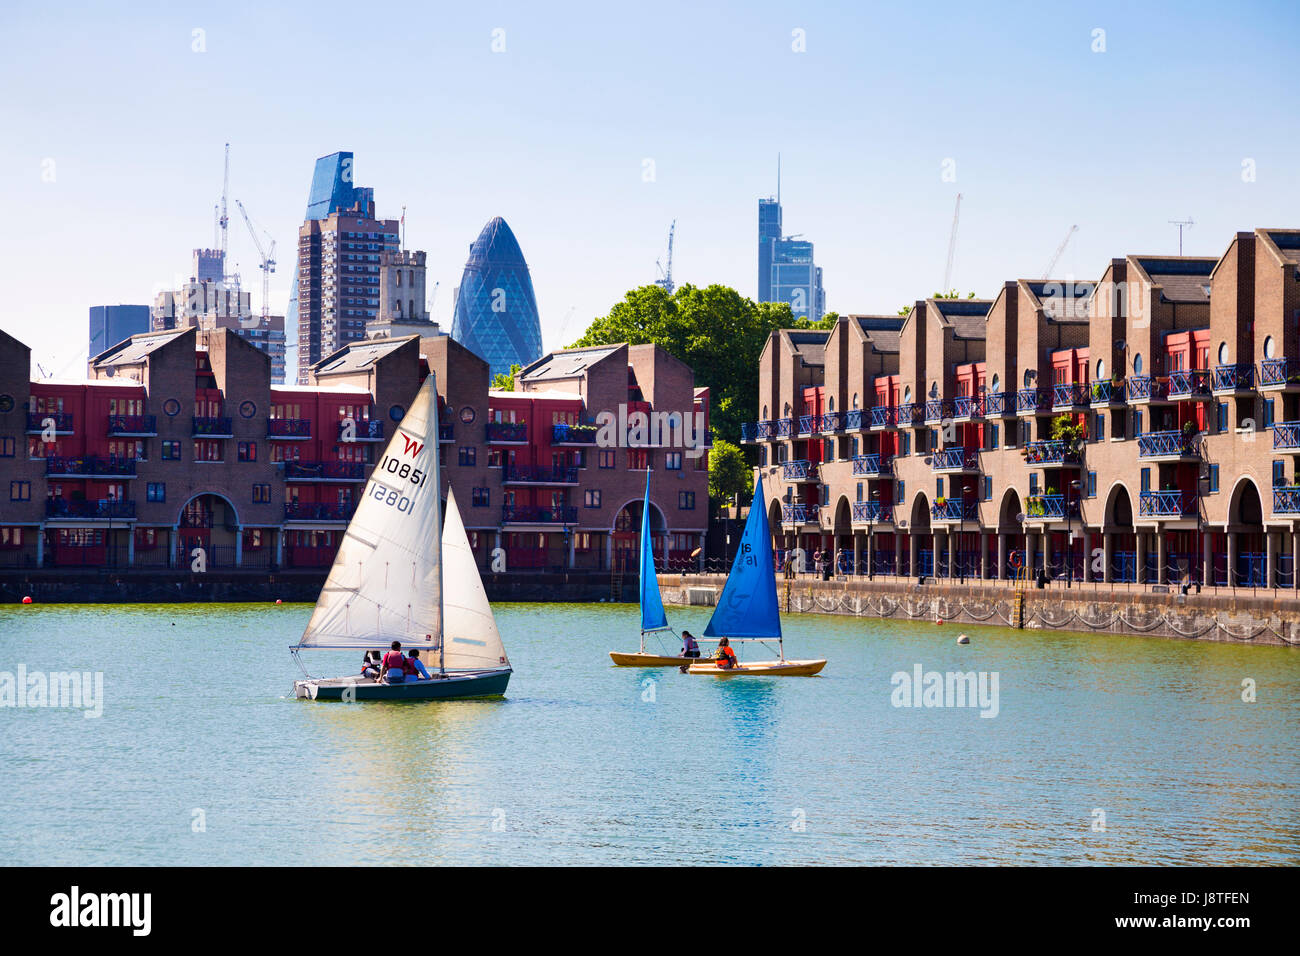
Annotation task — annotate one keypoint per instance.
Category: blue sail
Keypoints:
(747, 607)
(652, 605)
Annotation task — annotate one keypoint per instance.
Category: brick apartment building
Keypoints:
(1144, 427)
(179, 440)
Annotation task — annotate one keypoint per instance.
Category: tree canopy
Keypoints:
(729, 473)
(715, 330)
(502, 382)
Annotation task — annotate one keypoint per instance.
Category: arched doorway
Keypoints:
(208, 521)
(1245, 545)
(626, 535)
(844, 546)
(1118, 525)
(921, 541)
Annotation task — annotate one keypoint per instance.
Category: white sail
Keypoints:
(386, 584)
(473, 640)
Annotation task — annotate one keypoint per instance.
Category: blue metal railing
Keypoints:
(950, 458)
(1286, 500)
(766, 430)
(542, 474)
(784, 427)
(1286, 435)
(1050, 453)
(937, 409)
(809, 424)
(999, 403)
(1033, 399)
(507, 431)
(796, 470)
(1145, 387)
(520, 514)
(831, 422)
(368, 429)
(1189, 381)
(131, 424)
(1229, 378)
(1154, 444)
(872, 465)
(103, 508)
(853, 419)
(872, 511)
(62, 421)
(288, 428)
(747, 430)
(1279, 371)
(954, 509)
(563, 433)
(1051, 506)
(110, 467)
(882, 416)
(1068, 394)
(908, 414)
(1165, 504)
(799, 513)
(968, 406)
(1104, 393)
(218, 425)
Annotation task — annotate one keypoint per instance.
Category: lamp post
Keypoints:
(961, 532)
(1069, 534)
(871, 526)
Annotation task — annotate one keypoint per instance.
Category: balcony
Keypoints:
(91, 466)
(766, 430)
(312, 511)
(747, 431)
(1189, 383)
(1230, 379)
(562, 434)
(541, 475)
(103, 510)
(832, 422)
(1050, 453)
(1279, 373)
(1107, 393)
(446, 433)
(1033, 400)
(1145, 388)
(882, 416)
(803, 513)
(507, 433)
(785, 427)
(1069, 395)
(809, 424)
(853, 419)
(1166, 504)
(908, 414)
(368, 429)
(1172, 445)
(325, 470)
(966, 407)
(999, 403)
(1286, 500)
(1286, 435)
(872, 512)
(297, 429)
(954, 509)
(1050, 508)
(132, 426)
(527, 514)
(956, 459)
(62, 422)
(871, 466)
(799, 470)
(212, 428)
(937, 410)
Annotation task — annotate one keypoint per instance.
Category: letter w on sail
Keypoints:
(413, 447)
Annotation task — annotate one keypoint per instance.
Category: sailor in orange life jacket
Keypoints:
(726, 656)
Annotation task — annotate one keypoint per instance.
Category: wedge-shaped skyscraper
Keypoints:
(496, 311)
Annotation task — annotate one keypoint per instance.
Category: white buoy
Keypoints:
(963, 639)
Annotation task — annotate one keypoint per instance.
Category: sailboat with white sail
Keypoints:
(402, 573)
(747, 609)
(653, 618)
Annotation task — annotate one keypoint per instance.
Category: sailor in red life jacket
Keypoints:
(415, 669)
(726, 656)
(394, 664)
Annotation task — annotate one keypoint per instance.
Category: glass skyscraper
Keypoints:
(110, 324)
(496, 311)
(786, 270)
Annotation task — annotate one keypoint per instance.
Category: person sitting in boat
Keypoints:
(394, 665)
(690, 648)
(726, 656)
(415, 669)
(370, 665)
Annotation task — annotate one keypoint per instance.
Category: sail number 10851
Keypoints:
(401, 469)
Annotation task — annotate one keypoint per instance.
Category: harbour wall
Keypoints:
(1240, 616)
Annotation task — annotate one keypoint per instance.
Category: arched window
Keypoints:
(1268, 347)
(830, 404)
(1101, 370)
(1030, 374)
(996, 382)
(907, 395)
(934, 389)
(855, 399)
(1137, 364)
(1223, 353)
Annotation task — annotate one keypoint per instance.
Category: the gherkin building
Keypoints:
(496, 311)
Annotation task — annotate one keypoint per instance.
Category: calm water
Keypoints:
(578, 766)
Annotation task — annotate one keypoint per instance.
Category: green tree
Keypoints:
(729, 473)
(503, 382)
(715, 330)
(825, 323)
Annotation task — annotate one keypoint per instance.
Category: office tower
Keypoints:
(786, 270)
(110, 324)
(496, 311)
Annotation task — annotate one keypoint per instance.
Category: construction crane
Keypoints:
(268, 260)
(224, 220)
(665, 280)
(952, 247)
(1060, 250)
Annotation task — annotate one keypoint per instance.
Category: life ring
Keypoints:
(1016, 560)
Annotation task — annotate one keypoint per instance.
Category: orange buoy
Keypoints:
(938, 620)
(278, 601)
(27, 599)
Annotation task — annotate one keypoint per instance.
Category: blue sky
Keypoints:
(553, 134)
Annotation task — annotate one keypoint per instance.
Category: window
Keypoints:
(1092, 484)
(496, 458)
(686, 500)
(156, 491)
(762, 455)
(898, 498)
(859, 491)
(20, 491)
(638, 460)
(1279, 474)
(467, 457)
(988, 487)
(1137, 364)
(247, 451)
(673, 461)
(1146, 479)
(1269, 347)
(591, 498)
(7, 447)
(994, 432)
(1137, 422)
(1024, 433)
(208, 450)
(1101, 427)
(907, 443)
(479, 497)
(938, 487)
(605, 459)
(1214, 478)
(1033, 483)
(1268, 412)
(171, 451)
(261, 494)
(1221, 415)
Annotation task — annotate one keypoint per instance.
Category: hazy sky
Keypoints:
(114, 119)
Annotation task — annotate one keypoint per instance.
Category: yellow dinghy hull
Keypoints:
(648, 660)
(760, 669)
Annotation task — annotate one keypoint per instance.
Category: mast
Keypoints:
(437, 504)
